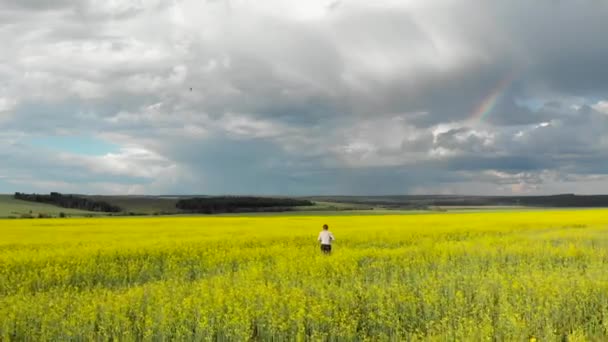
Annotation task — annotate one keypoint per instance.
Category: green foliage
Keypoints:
(144, 205)
(235, 204)
(10, 207)
(69, 201)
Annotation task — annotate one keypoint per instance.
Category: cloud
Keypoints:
(130, 162)
(601, 106)
(314, 97)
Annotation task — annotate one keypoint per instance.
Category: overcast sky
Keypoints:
(304, 97)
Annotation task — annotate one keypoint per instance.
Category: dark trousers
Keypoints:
(326, 249)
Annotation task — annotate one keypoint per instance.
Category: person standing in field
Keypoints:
(325, 238)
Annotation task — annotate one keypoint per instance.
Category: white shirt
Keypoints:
(326, 237)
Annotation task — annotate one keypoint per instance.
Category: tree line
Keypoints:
(234, 204)
(69, 201)
(424, 201)
(563, 200)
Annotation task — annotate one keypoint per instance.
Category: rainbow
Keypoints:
(487, 105)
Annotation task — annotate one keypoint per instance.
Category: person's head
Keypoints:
(325, 227)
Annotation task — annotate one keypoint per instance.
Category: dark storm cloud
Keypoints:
(561, 41)
(509, 113)
(510, 164)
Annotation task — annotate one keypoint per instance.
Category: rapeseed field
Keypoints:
(505, 276)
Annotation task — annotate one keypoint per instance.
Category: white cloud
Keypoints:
(6, 106)
(601, 106)
(245, 126)
(130, 161)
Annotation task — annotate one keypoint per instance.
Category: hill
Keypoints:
(11, 207)
(143, 205)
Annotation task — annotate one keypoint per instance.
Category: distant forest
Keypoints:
(424, 201)
(69, 201)
(235, 204)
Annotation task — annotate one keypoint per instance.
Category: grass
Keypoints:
(506, 276)
(146, 205)
(10, 207)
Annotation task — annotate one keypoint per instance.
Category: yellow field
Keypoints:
(477, 276)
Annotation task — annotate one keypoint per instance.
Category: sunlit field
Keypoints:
(509, 276)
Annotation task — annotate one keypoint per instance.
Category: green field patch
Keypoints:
(12, 208)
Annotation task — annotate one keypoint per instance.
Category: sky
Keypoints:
(315, 97)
